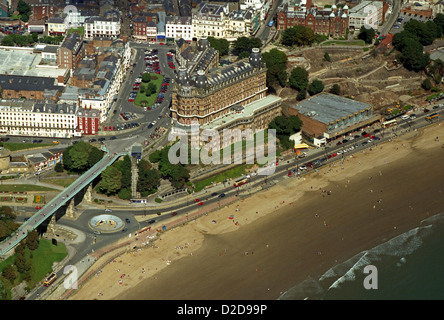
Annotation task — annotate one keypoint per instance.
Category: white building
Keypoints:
(75, 18)
(38, 119)
(56, 26)
(101, 27)
(367, 13)
(241, 23)
(101, 99)
(210, 21)
(178, 27)
(260, 6)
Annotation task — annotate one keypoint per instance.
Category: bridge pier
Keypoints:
(70, 210)
(52, 225)
(88, 194)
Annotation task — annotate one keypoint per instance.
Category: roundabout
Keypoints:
(106, 223)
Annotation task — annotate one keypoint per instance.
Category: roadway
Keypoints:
(396, 9)
(56, 203)
(186, 204)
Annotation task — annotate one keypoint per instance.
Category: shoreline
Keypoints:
(200, 240)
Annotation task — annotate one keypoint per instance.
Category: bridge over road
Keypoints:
(61, 199)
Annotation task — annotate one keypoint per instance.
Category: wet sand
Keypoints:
(289, 232)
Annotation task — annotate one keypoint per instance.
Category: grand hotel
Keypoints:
(229, 97)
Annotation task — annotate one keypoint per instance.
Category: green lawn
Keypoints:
(344, 43)
(45, 255)
(23, 188)
(152, 98)
(65, 182)
(41, 261)
(79, 30)
(20, 146)
(232, 173)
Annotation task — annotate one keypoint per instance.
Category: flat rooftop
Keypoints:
(248, 111)
(24, 63)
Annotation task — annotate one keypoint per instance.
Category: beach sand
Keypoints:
(275, 239)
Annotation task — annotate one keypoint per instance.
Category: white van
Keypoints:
(405, 117)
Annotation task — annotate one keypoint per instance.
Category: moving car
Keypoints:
(405, 117)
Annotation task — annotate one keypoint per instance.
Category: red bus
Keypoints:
(50, 280)
(240, 182)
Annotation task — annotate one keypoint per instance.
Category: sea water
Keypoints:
(408, 267)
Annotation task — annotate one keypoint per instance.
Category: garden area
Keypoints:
(32, 262)
(148, 90)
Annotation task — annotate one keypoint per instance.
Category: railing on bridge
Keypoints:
(58, 201)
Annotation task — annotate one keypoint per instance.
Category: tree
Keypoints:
(124, 166)
(327, 57)
(285, 127)
(366, 34)
(298, 35)
(412, 55)
(221, 45)
(298, 79)
(436, 70)
(32, 240)
(8, 41)
(439, 21)
(301, 95)
(399, 39)
(78, 157)
(24, 9)
(111, 181)
(243, 45)
(35, 36)
(58, 167)
(9, 273)
(426, 84)
(424, 32)
(179, 175)
(335, 89)
(146, 77)
(315, 87)
(276, 62)
(94, 156)
(23, 266)
(149, 180)
(150, 89)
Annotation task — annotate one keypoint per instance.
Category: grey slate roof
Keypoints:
(327, 108)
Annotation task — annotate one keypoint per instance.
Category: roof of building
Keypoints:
(247, 111)
(25, 83)
(328, 108)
